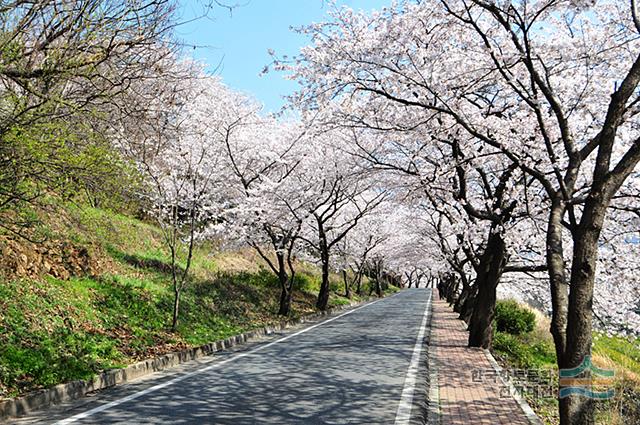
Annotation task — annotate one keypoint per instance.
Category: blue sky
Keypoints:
(237, 43)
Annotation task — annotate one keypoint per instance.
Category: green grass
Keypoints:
(535, 350)
(524, 351)
(622, 351)
(49, 336)
(54, 331)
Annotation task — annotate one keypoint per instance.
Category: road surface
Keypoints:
(365, 366)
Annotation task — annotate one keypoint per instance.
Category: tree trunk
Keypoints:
(452, 289)
(323, 295)
(559, 299)
(359, 282)
(410, 278)
(469, 304)
(285, 301)
(466, 289)
(285, 292)
(378, 280)
(577, 409)
(347, 288)
(490, 270)
(176, 309)
(557, 279)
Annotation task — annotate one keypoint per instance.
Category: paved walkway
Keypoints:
(470, 390)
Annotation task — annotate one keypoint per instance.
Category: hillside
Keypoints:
(92, 292)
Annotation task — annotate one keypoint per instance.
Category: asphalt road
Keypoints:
(365, 366)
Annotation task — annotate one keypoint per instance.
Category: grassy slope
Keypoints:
(536, 351)
(54, 330)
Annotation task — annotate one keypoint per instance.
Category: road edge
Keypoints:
(433, 408)
(74, 390)
(421, 408)
(524, 406)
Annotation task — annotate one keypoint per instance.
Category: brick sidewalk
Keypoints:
(463, 401)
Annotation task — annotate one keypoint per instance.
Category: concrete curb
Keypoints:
(76, 389)
(422, 404)
(526, 409)
(433, 413)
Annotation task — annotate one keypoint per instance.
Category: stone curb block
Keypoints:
(422, 400)
(524, 406)
(433, 411)
(75, 389)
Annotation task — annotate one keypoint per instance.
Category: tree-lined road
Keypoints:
(355, 368)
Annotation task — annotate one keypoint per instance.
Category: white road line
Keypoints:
(133, 396)
(403, 414)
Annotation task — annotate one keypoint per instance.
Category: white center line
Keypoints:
(403, 414)
(138, 394)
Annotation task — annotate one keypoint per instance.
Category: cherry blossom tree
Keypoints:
(339, 196)
(526, 90)
(270, 208)
(354, 250)
(174, 140)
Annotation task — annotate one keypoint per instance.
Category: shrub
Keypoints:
(510, 347)
(514, 319)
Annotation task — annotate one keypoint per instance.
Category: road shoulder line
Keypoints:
(69, 392)
(215, 365)
(403, 414)
(433, 412)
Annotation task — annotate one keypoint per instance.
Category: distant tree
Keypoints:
(339, 198)
(270, 206)
(177, 152)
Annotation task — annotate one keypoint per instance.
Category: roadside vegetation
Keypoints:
(58, 329)
(145, 205)
(523, 342)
